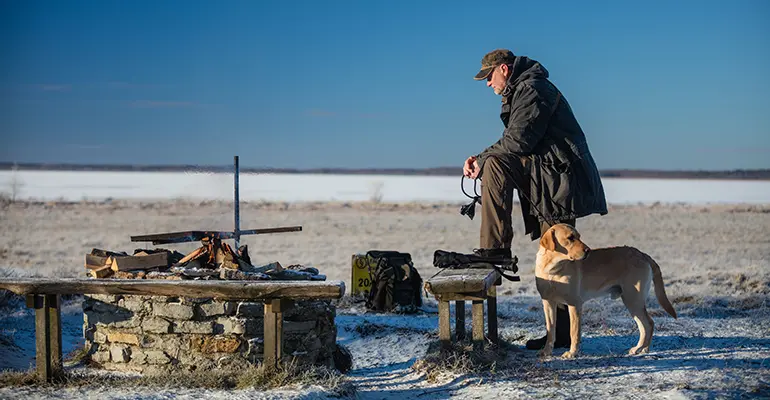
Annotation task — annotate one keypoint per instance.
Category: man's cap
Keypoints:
(492, 60)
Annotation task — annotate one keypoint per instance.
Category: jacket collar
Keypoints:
(523, 68)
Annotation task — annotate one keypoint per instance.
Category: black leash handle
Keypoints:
(470, 209)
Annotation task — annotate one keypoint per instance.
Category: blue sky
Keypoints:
(355, 84)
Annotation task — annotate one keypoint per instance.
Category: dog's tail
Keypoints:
(660, 291)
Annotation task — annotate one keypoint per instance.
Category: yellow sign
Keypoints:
(361, 279)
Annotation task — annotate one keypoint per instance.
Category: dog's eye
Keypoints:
(571, 238)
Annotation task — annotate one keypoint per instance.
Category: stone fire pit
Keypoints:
(158, 333)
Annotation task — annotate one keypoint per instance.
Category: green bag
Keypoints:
(396, 284)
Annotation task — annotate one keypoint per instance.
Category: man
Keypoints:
(542, 154)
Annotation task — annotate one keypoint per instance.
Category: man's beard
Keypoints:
(498, 91)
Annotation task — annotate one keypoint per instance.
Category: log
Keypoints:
(101, 272)
(107, 253)
(190, 256)
(96, 262)
(227, 290)
(274, 266)
(133, 263)
(288, 275)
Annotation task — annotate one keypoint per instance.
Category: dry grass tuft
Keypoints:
(503, 361)
(257, 377)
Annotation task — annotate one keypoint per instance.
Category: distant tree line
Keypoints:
(749, 174)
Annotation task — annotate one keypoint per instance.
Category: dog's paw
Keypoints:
(569, 355)
(638, 350)
(544, 353)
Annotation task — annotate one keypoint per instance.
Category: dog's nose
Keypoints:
(587, 250)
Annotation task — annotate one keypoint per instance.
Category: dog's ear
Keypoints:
(548, 241)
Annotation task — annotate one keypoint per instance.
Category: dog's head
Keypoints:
(564, 239)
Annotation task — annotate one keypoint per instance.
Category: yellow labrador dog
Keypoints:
(568, 272)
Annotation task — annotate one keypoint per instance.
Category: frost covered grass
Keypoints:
(715, 261)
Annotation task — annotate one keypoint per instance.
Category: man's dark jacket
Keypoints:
(564, 182)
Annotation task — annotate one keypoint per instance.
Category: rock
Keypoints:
(215, 344)
(156, 325)
(122, 337)
(204, 327)
(232, 325)
(134, 304)
(120, 353)
(156, 357)
(216, 308)
(249, 309)
(101, 356)
(173, 310)
(292, 326)
(343, 360)
(100, 337)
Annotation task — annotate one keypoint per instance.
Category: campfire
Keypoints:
(215, 259)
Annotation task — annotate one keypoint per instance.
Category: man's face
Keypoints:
(496, 80)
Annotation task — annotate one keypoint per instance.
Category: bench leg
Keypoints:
(492, 315)
(273, 333)
(460, 319)
(444, 334)
(48, 353)
(478, 324)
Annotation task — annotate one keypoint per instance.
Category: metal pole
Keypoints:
(237, 230)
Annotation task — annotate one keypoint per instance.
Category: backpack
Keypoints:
(396, 284)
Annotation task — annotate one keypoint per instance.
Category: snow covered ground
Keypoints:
(711, 238)
(80, 185)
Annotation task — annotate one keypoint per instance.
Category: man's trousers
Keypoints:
(501, 175)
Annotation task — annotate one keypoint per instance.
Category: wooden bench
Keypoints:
(459, 285)
(44, 296)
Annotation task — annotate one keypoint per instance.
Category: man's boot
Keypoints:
(562, 332)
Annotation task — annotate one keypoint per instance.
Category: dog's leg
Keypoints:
(549, 308)
(575, 313)
(643, 321)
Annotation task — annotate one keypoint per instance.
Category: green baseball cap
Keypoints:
(492, 60)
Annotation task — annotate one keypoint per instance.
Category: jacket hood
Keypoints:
(524, 68)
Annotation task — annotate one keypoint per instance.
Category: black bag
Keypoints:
(450, 259)
(396, 284)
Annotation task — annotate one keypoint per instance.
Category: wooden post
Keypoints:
(273, 332)
(53, 303)
(492, 315)
(478, 324)
(48, 353)
(236, 205)
(460, 319)
(444, 334)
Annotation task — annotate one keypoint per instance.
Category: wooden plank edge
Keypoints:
(189, 288)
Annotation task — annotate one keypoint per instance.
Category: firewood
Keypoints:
(132, 263)
(107, 253)
(95, 262)
(243, 253)
(163, 275)
(290, 275)
(302, 268)
(229, 274)
(194, 272)
(124, 275)
(272, 267)
(101, 272)
(197, 252)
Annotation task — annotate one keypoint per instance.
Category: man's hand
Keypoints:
(471, 168)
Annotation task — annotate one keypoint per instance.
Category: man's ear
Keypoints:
(548, 241)
(505, 69)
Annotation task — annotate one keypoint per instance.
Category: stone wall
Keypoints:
(157, 333)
